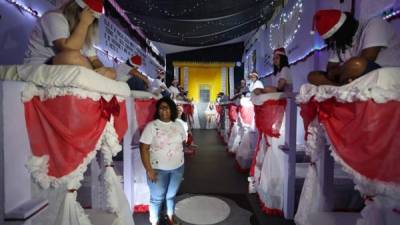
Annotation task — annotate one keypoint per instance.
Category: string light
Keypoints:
(27, 9)
(283, 19)
(388, 15)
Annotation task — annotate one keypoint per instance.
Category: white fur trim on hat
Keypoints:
(336, 27)
(253, 74)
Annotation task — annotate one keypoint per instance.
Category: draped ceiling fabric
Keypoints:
(197, 22)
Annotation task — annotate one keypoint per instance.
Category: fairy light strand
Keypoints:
(25, 8)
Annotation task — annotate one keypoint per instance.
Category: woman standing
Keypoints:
(161, 150)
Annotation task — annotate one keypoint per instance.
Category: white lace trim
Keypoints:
(380, 85)
(315, 143)
(63, 76)
(31, 90)
(260, 99)
(365, 185)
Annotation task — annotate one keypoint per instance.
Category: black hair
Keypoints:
(172, 107)
(283, 61)
(343, 37)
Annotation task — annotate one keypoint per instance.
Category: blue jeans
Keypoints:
(165, 188)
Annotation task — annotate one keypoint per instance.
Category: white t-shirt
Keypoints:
(373, 33)
(255, 84)
(156, 86)
(283, 74)
(166, 144)
(174, 91)
(50, 27)
(184, 125)
(122, 71)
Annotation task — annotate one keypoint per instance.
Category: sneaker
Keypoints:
(172, 221)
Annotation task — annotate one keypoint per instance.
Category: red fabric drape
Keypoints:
(67, 128)
(232, 115)
(269, 116)
(232, 112)
(145, 110)
(247, 114)
(219, 110)
(188, 109)
(365, 135)
(268, 120)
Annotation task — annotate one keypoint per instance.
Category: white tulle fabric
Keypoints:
(53, 81)
(246, 148)
(196, 120)
(141, 192)
(234, 139)
(380, 85)
(311, 194)
(272, 174)
(227, 124)
(260, 99)
(116, 200)
(259, 162)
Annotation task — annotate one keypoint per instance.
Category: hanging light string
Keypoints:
(23, 7)
(391, 14)
(296, 11)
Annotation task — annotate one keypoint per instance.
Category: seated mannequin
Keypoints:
(130, 73)
(66, 36)
(355, 48)
(281, 75)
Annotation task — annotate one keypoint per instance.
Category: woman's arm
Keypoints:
(145, 156)
(135, 72)
(99, 68)
(281, 85)
(78, 36)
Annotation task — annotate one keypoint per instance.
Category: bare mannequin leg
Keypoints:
(71, 58)
(76, 58)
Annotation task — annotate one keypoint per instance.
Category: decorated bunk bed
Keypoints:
(359, 122)
(71, 114)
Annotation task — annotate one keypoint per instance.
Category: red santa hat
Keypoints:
(326, 22)
(95, 5)
(135, 61)
(280, 51)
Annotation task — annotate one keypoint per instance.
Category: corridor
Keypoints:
(211, 172)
